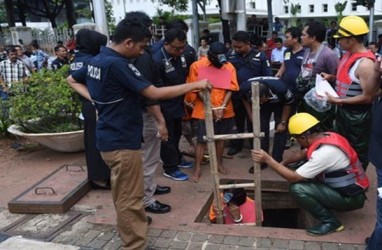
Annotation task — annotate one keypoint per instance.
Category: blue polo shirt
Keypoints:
(173, 71)
(253, 64)
(80, 60)
(292, 62)
(115, 85)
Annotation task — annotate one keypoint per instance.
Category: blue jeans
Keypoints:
(4, 110)
(375, 242)
(4, 95)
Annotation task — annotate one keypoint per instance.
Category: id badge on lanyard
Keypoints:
(168, 66)
(183, 60)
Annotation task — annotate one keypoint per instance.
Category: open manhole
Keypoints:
(279, 208)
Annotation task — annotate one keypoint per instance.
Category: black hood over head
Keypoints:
(90, 41)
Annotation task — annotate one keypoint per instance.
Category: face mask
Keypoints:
(215, 60)
(227, 197)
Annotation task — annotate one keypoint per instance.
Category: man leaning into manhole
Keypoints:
(331, 178)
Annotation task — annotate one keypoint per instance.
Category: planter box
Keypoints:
(62, 142)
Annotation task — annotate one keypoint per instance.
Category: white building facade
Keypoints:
(281, 8)
(319, 10)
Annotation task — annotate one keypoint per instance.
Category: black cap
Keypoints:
(219, 50)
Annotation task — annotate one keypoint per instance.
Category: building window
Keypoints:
(311, 8)
(324, 8)
(354, 6)
(286, 9)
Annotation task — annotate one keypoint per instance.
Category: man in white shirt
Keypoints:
(277, 54)
(332, 177)
(12, 70)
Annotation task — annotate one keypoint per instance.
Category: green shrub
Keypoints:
(4, 119)
(48, 101)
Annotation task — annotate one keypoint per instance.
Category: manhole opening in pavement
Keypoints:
(279, 208)
(42, 226)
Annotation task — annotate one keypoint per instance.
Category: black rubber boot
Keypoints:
(329, 223)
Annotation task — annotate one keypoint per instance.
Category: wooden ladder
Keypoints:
(211, 137)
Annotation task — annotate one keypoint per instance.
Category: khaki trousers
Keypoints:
(127, 191)
(151, 157)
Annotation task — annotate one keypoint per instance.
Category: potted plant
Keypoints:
(46, 110)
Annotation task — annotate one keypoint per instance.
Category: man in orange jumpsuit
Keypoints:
(211, 67)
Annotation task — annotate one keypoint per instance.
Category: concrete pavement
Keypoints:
(94, 227)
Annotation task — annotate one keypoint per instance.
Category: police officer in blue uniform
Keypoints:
(114, 85)
(173, 68)
(277, 99)
(249, 62)
(88, 44)
(189, 52)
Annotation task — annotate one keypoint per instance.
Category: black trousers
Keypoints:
(279, 140)
(241, 119)
(169, 150)
(97, 169)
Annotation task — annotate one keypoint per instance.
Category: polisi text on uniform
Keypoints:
(94, 72)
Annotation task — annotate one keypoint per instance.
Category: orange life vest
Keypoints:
(348, 181)
(345, 86)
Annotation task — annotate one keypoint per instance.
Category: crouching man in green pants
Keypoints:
(332, 177)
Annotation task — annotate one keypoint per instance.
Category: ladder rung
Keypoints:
(233, 136)
(237, 185)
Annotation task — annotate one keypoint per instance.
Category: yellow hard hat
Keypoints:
(351, 26)
(301, 122)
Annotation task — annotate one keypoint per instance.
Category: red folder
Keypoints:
(218, 78)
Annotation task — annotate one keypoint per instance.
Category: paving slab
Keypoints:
(20, 243)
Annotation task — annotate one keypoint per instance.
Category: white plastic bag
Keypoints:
(318, 103)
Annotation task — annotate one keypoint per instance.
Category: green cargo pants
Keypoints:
(318, 198)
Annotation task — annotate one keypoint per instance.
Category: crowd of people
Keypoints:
(138, 101)
(19, 61)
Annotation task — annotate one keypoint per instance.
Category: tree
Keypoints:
(3, 14)
(178, 5)
(294, 10)
(44, 8)
(10, 15)
(340, 7)
(69, 9)
(21, 13)
(109, 15)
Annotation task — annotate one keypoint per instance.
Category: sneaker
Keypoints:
(185, 164)
(176, 175)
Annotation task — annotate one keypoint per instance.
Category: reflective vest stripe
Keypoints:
(343, 181)
(352, 175)
(345, 86)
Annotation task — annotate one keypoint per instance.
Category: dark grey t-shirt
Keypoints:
(327, 62)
